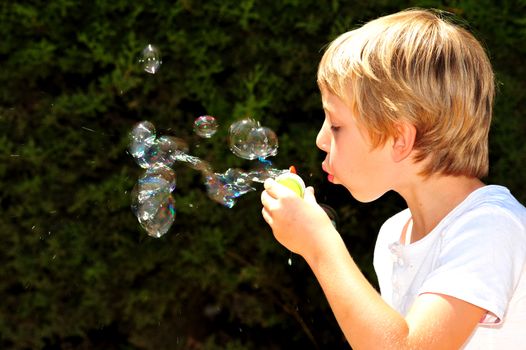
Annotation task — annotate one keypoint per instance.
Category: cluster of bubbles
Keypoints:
(152, 199)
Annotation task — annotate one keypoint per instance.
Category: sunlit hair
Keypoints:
(418, 67)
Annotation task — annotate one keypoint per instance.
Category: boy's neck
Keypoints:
(431, 199)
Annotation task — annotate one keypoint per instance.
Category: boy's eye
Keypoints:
(335, 128)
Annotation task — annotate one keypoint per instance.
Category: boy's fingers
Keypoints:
(269, 183)
(275, 189)
(268, 200)
(266, 216)
(309, 195)
(269, 186)
(265, 198)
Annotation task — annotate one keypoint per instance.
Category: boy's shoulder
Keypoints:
(488, 207)
(492, 200)
(489, 217)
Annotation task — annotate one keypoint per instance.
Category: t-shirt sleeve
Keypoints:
(480, 261)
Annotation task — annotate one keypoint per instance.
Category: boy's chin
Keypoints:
(365, 197)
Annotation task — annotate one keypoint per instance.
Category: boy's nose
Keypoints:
(322, 139)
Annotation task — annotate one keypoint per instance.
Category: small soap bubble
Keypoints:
(142, 138)
(205, 126)
(150, 59)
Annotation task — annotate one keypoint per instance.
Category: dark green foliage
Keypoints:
(78, 271)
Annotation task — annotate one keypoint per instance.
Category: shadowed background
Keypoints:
(78, 272)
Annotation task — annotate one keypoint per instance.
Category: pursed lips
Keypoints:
(330, 177)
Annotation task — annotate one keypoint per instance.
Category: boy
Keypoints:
(408, 101)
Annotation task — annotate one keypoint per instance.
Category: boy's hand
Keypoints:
(299, 224)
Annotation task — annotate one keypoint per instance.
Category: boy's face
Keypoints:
(351, 160)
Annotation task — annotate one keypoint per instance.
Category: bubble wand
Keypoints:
(293, 181)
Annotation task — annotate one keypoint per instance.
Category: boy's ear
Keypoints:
(403, 141)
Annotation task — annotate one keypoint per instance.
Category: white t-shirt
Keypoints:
(477, 253)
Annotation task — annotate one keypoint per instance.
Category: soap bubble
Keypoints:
(249, 140)
(263, 141)
(162, 177)
(205, 126)
(160, 218)
(146, 205)
(142, 138)
(239, 133)
(152, 201)
(150, 59)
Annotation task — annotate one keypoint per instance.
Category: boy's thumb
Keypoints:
(309, 195)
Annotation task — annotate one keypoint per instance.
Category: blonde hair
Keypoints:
(416, 66)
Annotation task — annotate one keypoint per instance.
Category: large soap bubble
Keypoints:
(263, 141)
(160, 215)
(249, 140)
(152, 201)
(238, 136)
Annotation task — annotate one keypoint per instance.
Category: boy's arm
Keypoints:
(434, 322)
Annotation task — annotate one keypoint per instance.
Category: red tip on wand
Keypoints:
(292, 169)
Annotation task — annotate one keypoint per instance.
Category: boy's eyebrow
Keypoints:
(328, 111)
(326, 106)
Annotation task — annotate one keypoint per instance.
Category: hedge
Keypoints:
(77, 269)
